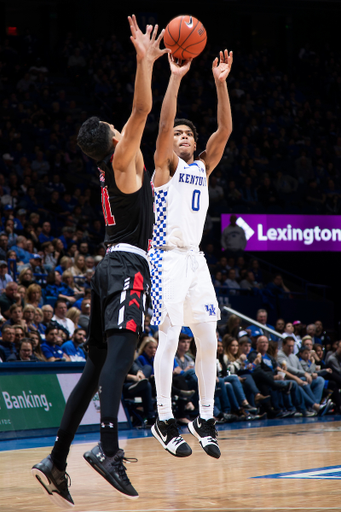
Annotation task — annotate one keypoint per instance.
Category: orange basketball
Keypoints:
(185, 36)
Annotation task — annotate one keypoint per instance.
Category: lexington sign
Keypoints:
(289, 232)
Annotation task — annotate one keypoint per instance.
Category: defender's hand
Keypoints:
(146, 45)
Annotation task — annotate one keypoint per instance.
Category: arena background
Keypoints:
(285, 26)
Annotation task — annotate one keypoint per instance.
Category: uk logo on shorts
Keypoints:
(211, 309)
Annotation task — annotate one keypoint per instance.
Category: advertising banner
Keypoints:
(289, 232)
(29, 402)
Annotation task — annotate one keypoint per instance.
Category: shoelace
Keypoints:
(66, 482)
(121, 469)
(209, 429)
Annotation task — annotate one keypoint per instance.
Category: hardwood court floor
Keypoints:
(197, 483)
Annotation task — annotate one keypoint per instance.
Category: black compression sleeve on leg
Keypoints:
(77, 404)
(121, 349)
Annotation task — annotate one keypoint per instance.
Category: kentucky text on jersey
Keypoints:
(192, 180)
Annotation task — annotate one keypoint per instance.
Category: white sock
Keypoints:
(205, 365)
(163, 367)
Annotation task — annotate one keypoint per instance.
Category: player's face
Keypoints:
(114, 134)
(184, 144)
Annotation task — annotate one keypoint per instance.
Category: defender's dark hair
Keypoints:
(188, 123)
(94, 138)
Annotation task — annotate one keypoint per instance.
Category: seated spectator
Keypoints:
(320, 334)
(20, 250)
(311, 388)
(7, 344)
(69, 287)
(256, 271)
(47, 311)
(51, 351)
(72, 348)
(233, 326)
(146, 353)
(277, 287)
(83, 320)
(262, 317)
(15, 316)
(88, 276)
(37, 267)
(38, 320)
(59, 251)
(137, 384)
(20, 333)
(4, 276)
(231, 282)
(73, 314)
(79, 268)
(311, 331)
(26, 277)
(249, 282)
(65, 264)
(25, 352)
(334, 360)
(289, 331)
(49, 259)
(45, 234)
(280, 325)
(36, 344)
(8, 297)
(54, 287)
(34, 295)
(3, 246)
(60, 319)
(29, 312)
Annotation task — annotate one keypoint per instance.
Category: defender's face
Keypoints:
(184, 144)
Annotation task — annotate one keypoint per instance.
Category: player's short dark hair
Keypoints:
(94, 138)
(188, 123)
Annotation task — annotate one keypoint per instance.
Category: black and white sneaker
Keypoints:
(167, 433)
(54, 482)
(112, 469)
(205, 432)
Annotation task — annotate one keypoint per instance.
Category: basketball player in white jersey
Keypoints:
(182, 289)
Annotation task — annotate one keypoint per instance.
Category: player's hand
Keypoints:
(221, 67)
(179, 67)
(146, 45)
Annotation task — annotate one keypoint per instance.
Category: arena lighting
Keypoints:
(289, 232)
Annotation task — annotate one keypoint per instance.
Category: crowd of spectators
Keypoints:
(284, 155)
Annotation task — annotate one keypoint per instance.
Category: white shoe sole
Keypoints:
(45, 483)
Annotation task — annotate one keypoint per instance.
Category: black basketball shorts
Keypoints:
(119, 291)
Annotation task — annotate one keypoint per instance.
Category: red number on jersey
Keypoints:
(108, 216)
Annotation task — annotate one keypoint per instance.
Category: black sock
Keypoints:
(109, 436)
(61, 449)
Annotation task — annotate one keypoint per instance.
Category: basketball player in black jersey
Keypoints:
(119, 285)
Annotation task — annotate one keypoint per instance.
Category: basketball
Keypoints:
(185, 36)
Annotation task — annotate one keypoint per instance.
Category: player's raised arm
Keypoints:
(216, 143)
(165, 159)
(147, 46)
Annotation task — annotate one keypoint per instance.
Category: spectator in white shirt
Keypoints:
(60, 311)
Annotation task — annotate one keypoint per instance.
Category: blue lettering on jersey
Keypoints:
(191, 179)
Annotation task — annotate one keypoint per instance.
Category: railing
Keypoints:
(254, 322)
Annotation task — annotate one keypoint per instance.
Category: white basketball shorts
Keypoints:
(182, 287)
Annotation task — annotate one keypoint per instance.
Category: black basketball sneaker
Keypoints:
(112, 469)
(205, 432)
(54, 481)
(167, 433)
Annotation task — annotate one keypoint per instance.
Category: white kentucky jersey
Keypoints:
(181, 207)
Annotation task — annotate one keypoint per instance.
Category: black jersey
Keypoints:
(128, 218)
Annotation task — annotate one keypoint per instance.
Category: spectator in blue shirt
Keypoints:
(50, 349)
(72, 347)
(7, 344)
(262, 317)
(45, 235)
(20, 251)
